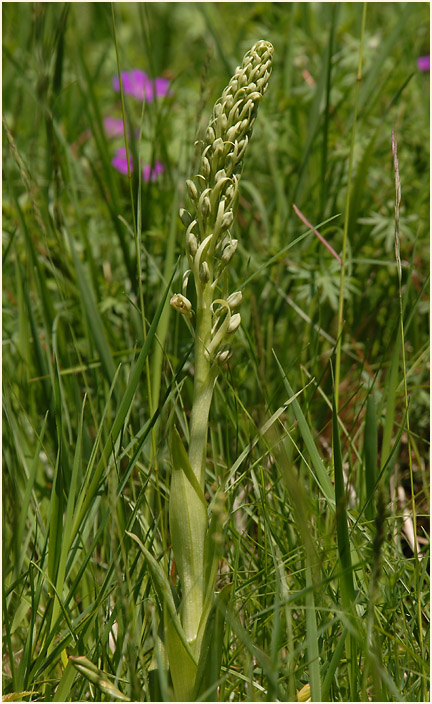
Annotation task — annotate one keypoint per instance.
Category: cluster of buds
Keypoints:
(214, 191)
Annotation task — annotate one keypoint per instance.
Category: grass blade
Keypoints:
(321, 475)
(370, 455)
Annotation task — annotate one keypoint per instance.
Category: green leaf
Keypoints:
(209, 664)
(312, 636)
(183, 669)
(182, 662)
(188, 526)
(344, 549)
(370, 455)
(98, 677)
(163, 590)
(181, 462)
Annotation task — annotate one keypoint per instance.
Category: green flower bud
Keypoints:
(205, 169)
(228, 252)
(223, 355)
(231, 134)
(218, 148)
(227, 220)
(261, 82)
(222, 123)
(181, 304)
(205, 206)
(220, 215)
(192, 190)
(229, 102)
(204, 273)
(191, 243)
(234, 299)
(234, 323)
(185, 280)
(185, 217)
(210, 135)
(230, 193)
(192, 225)
(220, 175)
(234, 84)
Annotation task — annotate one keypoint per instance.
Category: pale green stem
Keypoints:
(203, 391)
(204, 380)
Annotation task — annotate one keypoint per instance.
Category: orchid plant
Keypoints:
(213, 193)
(196, 541)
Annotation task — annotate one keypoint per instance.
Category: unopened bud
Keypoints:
(230, 193)
(205, 206)
(228, 252)
(229, 102)
(185, 217)
(243, 79)
(205, 167)
(231, 134)
(204, 273)
(262, 82)
(220, 215)
(243, 125)
(242, 147)
(191, 243)
(234, 323)
(227, 220)
(218, 148)
(223, 122)
(181, 304)
(220, 175)
(185, 280)
(210, 134)
(245, 109)
(192, 190)
(223, 356)
(234, 299)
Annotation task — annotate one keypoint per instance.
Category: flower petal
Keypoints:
(113, 127)
(140, 86)
(423, 63)
(120, 161)
(149, 173)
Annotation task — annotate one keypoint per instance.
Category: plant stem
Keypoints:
(203, 387)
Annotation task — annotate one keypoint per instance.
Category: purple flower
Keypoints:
(149, 173)
(138, 84)
(113, 127)
(120, 163)
(423, 63)
(161, 86)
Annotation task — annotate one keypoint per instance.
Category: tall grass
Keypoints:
(319, 424)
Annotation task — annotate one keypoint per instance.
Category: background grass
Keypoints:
(97, 368)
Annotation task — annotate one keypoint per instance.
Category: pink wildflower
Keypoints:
(148, 173)
(138, 84)
(423, 63)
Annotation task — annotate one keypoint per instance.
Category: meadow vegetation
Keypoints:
(316, 464)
